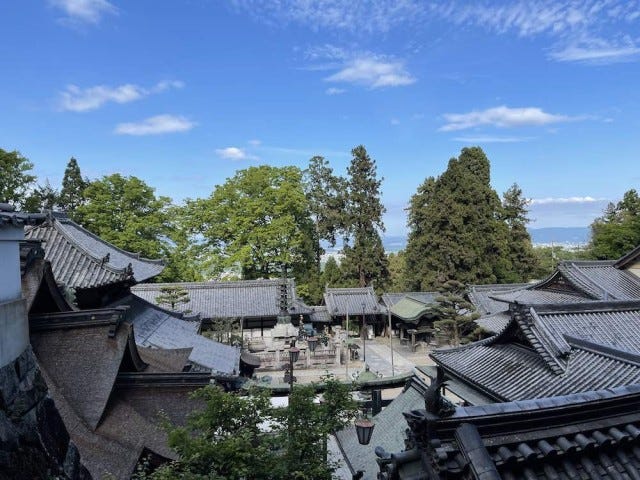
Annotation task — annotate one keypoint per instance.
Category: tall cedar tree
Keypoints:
(455, 228)
(327, 201)
(73, 187)
(16, 179)
(618, 230)
(364, 256)
(524, 262)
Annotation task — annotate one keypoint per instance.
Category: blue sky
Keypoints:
(184, 93)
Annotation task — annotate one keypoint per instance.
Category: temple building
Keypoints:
(358, 305)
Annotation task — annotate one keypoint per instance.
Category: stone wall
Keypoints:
(33, 440)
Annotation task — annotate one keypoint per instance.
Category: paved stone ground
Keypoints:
(378, 358)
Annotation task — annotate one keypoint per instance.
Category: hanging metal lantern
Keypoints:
(364, 430)
(294, 353)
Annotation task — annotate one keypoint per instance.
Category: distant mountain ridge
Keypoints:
(539, 236)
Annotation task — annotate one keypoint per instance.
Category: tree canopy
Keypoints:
(126, 212)
(617, 231)
(73, 187)
(459, 229)
(259, 219)
(16, 179)
(364, 256)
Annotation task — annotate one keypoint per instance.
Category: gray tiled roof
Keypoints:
(320, 314)
(591, 435)
(571, 348)
(481, 296)
(390, 299)
(494, 323)
(81, 259)
(601, 279)
(242, 299)
(512, 372)
(389, 431)
(159, 328)
(17, 219)
(343, 301)
(536, 296)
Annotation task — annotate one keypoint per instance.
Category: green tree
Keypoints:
(332, 274)
(519, 248)
(456, 229)
(327, 201)
(548, 257)
(173, 296)
(73, 187)
(364, 256)
(258, 219)
(398, 272)
(16, 181)
(618, 230)
(43, 197)
(126, 212)
(243, 437)
(455, 314)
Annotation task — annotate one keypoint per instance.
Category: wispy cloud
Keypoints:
(371, 16)
(597, 52)
(84, 11)
(76, 99)
(572, 27)
(502, 116)
(373, 72)
(564, 200)
(361, 68)
(156, 125)
(490, 139)
(234, 153)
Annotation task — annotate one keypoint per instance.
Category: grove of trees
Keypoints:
(267, 219)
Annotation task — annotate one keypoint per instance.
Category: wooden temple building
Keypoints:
(359, 305)
(96, 274)
(575, 332)
(109, 391)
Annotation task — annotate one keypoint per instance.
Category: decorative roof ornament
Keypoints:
(434, 402)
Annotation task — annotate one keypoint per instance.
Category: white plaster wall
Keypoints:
(10, 288)
(14, 330)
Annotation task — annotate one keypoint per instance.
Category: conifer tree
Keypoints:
(73, 186)
(43, 197)
(455, 228)
(172, 296)
(332, 275)
(618, 230)
(365, 259)
(520, 251)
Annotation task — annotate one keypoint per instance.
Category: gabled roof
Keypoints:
(320, 314)
(81, 259)
(82, 353)
(411, 307)
(8, 216)
(495, 322)
(628, 259)
(589, 435)
(390, 299)
(159, 328)
(482, 296)
(552, 350)
(241, 299)
(352, 301)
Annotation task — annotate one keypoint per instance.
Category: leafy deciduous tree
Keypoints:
(16, 180)
(618, 230)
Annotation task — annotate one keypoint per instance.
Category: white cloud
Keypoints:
(490, 139)
(234, 153)
(564, 200)
(76, 99)
(84, 11)
(255, 142)
(502, 116)
(156, 125)
(369, 16)
(597, 53)
(373, 72)
(334, 91)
